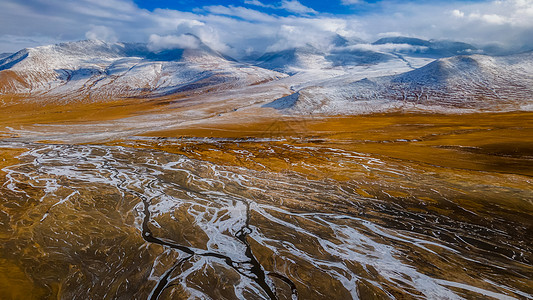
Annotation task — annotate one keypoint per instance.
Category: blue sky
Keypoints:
(346, 7)
(332, 7)
(241, 27)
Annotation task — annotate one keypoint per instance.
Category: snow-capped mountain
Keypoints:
(350, 77)
(96, 69)
(464, 82)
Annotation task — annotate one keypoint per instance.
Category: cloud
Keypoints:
(258, 3)
(296, 7)
(490, 18)
(457, 13)
(101, 33)
(240, 12)
(13, 43)
(238, 31)
(158, 43)
(316, 32)
(505, 22)
(392, 34)
(350, 2)
(293, 6)
(387, 48)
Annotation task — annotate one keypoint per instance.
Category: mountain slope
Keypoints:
(99, 70)
(464, 82)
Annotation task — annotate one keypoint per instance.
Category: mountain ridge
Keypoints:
(335, 81)
(458, 82)
(105, 70)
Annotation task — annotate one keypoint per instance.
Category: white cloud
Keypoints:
(13, 43)
(506, 22)
(241, 12)
(317, 32)
(495, 19)
(101, 33)
(293, 6)
(350, 2)
(258, 3)
(296, 7)
(239, 30)
(158, 43)
(392, 34)
(457, 13)
(387, 47)
(489, 18)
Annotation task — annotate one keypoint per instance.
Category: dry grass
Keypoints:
(498, 142)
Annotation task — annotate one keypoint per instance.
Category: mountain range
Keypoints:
(348, 77)
(477, 82)
(98, 70)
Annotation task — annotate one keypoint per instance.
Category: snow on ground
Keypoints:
(460, 83)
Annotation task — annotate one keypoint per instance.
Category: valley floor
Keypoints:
(107, 200)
